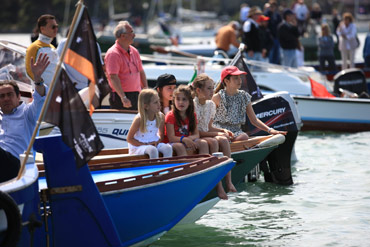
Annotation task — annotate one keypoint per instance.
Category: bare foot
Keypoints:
(231, 188)
(221, 192)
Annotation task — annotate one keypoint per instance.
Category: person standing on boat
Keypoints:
(48, 30)
(326, 48)
(273, 23)
(226, 36)
(288, 38)
(18, 119)
(366, 51)
(124, 69)
(251, 36)
(347, 40)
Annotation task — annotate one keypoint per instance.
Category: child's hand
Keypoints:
(224, 134)
(189, 143)
(153, 143)
(229, 133)
(275, 132)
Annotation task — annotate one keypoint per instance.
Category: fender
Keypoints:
(14, 219)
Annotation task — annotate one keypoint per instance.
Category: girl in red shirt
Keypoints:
(181, 124)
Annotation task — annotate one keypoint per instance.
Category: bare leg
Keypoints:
(213, 147)
(212, 144)
(202, 146)
(179, 148)
(225, 148)
(241, 137)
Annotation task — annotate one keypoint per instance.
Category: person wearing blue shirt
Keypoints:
(18, 119)
(366, 51)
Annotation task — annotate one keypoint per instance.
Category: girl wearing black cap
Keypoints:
(166, 84)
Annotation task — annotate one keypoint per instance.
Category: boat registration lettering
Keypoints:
(120, 132)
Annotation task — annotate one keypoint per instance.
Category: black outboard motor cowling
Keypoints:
(276, 112)
(353, 80)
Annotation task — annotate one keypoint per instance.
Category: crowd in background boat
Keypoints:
(270, 43)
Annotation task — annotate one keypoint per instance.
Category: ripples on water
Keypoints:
(328, 205)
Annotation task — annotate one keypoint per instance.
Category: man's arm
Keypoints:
(144, 82)
(116, 84)
(37, 69)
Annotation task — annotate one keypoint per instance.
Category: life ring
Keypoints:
(14, 219)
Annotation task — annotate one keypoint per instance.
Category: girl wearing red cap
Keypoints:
(232, 104)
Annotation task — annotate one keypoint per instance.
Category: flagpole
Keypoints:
(58, 68)
(236, 57)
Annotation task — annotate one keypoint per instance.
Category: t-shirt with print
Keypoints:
(182, 130)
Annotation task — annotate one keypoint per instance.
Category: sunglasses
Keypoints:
(54, 26)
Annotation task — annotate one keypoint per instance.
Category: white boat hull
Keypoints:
(336, 114)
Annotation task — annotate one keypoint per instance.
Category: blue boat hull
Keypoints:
(134, 214)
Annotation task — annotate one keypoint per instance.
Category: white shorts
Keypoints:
(141, 149)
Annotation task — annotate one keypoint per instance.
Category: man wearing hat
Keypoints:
(288, 37)
(166, 84)
(251, 35)
(265, 37)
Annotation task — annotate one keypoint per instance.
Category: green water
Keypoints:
(329, 204)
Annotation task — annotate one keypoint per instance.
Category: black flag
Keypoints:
(68, 112)
(83, 55)
(249, 84)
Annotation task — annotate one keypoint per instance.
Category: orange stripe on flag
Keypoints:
(81, 64)
(86, 68)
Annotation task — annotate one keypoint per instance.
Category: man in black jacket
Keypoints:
(288, 37)
(251, 35)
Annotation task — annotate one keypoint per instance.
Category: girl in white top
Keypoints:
(147, 129)
(347, 40)
(217, 138)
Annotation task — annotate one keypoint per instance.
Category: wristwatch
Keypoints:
(40, 83)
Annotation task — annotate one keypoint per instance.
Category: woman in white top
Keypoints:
(347, 40)
(147, 129)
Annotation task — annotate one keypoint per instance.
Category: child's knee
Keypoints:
(202, 144)
(152, 152)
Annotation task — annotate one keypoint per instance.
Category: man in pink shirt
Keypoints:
(124, 69)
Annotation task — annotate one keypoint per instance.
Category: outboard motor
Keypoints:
(278, 111)
(353, 80)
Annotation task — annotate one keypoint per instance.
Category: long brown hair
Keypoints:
(222, 84)
(189, 112)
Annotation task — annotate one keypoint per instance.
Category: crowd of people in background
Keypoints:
(273, 34)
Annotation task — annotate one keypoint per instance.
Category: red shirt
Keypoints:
(182, 130)
(126, 65)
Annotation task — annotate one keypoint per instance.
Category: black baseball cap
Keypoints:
(165, 80)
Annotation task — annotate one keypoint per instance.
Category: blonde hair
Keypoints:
(325, 30)
(145, 97)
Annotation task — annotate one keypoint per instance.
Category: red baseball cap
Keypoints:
(231, 70)
(262, 18)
